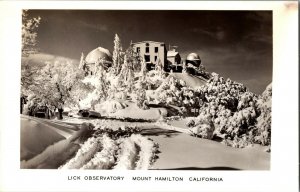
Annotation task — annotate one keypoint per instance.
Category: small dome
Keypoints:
(98, 53)
(193, 57)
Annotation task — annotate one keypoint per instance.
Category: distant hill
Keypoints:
(40, 59)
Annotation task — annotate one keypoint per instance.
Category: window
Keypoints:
(147, 58)
(155, 58)
(147, 50)
(138, 49)
(147, 44)
(156, 49)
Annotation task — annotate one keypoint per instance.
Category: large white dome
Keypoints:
(193, 57)
(98, 53)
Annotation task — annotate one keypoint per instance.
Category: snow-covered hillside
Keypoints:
(190, 80)
(133, 106)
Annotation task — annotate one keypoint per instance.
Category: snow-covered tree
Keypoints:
(29, 42)
(126, 76)
(144, 70)
(78, 93)
(81, 63)
(117, 54)
(159, 67)
(263, 125)
(101, 75)
(29, 34)
(133, 58)
(240, 117)
(55, 82)
(184, 69)
(28, 75)
(203, 128)
(173, 91)
(98, 87)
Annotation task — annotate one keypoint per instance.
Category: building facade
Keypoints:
(152, 52)
(173, 57)
(174, 61)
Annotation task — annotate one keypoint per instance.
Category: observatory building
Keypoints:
(98, 56)
(194, 59)
(152, 52)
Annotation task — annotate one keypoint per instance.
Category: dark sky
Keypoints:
(235, 44)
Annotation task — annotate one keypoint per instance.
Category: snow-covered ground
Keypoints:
(36, 137)
(134, 112)
(177, 150)
(69, 149)
(181, 151)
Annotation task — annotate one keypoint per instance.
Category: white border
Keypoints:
(283, 175)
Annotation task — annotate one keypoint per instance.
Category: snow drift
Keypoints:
(36, 137)
(89, 148)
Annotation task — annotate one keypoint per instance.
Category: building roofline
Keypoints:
(149, 42)
(172, 53)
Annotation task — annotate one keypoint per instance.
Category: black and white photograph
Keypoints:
(149, 96)
(146, 89)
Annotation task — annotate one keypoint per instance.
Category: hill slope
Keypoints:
(190, 80)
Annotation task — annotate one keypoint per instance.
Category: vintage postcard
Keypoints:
(128, 96)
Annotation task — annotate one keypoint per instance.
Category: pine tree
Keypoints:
(133, 58)
(141, 99)
(101, 74)
(117, 54)
(143, 70)
(184, 68)
(159, 67)
(81, 63)
(126, 76)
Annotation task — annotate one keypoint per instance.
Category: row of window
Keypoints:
(138, 49)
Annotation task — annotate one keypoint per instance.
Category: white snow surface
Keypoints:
(190, 80)
(181, 151)
(178, 150)
(104, 159)
(110, 106)
(93, 80)
(136, 153)
(84, 154)
(36, 137)
(134, 112)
